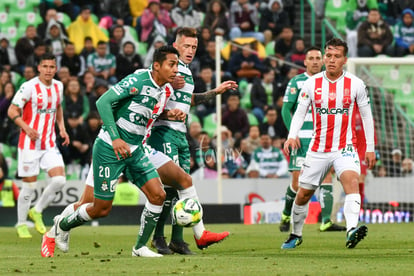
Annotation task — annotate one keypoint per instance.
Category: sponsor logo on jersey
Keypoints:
(145, 100)
(304, 95)
(50, 110)
(133, 91)
(332, 111)
(318, 91)
(346, 101)
(293, 90)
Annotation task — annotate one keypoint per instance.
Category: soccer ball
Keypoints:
(187, 212)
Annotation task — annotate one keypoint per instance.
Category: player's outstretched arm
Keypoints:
(199, 98)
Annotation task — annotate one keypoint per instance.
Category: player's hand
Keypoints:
(290, 144)
(121, 149)
(65, 137)
(178, 82)
(227, 85)
(32, 133)
(176, 114)
(370, 159)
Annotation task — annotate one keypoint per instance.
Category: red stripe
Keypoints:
(27, 118)
(52, 133)
(345, 118)
(316, 117)
(39, 104)
(47, 119)
(331, 117)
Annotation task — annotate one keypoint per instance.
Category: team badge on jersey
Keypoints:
(293, 90)
(133, 91)
(332, 95)
(304, 95)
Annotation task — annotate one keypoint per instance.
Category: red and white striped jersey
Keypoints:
(333, 104)
(39, 104)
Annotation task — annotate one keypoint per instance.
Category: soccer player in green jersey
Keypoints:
(313, 63)
(125, 110)
(169, 137)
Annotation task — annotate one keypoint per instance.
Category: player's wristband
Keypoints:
(15, 117)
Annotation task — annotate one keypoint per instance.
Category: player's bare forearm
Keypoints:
(199, 98)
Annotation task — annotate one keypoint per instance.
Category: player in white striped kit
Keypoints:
(36, 108)
(332, 94)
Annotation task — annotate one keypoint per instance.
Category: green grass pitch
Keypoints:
(250, 250)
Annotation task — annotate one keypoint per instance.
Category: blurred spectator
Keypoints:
(374, 36)
(397, 7)
(5, 77)
(393, 166)
(263, 93)
(136, 8)
(39, 50)
(209, 59)
(55, 40)
(41, 28)
(381, 171)
(289, 7)
(64, 76)
(357, 12)
(99, 87)
(25, 46)
(9, 192)
(407, 167)
(284, 43)
(127, 61)
(183, 15)
(157, 43)
(6, 95)
(155, 21)
(88, 48)
(267, 161)
(202, 83)
(75, 109)
(29, 72)
(272, 20)
(84, 27)
(8, 60)
(297, 54)
(119, 37)
(234, 117)
(216, 18)
(93, 126)
(253, 140)
(241, 158)
(74, 62)
(205, 35)
(243, 19)
(102, 64)
(64, 6)
(245, 64)
(404, 35)
(271, 126)
(115, 9)
(200, 6)
(194, 130)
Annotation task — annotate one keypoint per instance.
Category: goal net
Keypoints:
(389, 187)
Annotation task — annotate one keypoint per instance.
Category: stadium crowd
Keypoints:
(97, 43)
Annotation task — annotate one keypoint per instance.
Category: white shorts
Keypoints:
(318, 164)
(157, 158)
(31, 161)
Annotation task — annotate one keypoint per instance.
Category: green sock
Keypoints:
(289, 199)
(166, 211)
(326, 200)
(72, 221)
(177, 233)
(148, 221)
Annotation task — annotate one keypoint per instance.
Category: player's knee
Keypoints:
(58, 182)
(157, 198)
(187, 181)
(102, 212)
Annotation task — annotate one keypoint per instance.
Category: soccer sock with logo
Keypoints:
(55, 185)
(191, 192)
(166, 211)
(299, 213)
(77, 218)
(24, 200)
(149, 218)
(352, 206)
(326, 201)
(289, 199)
(67, 211)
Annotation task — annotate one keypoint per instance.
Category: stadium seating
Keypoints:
(210, 124)
(252, 119)
(64, 19)
(336, 10)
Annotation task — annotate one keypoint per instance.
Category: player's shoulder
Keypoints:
(58, 83)
(354, 78)
(29, 84)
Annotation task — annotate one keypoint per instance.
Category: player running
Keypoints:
(332, 94)
(313, 63)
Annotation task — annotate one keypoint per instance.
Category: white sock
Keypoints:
(67, 211)
(55, 185)
(352, 206)
(24, 200)
(299, 213)
(83, 213)
(191, 192)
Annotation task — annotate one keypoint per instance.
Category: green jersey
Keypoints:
(101, 64)
(127, 107)
(181, 99)
(291, 97)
